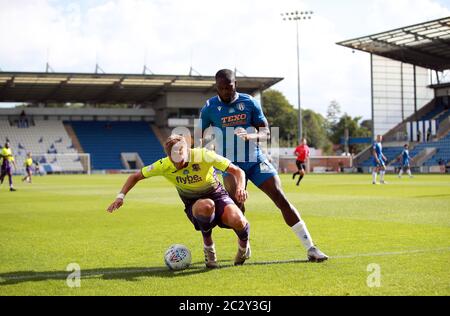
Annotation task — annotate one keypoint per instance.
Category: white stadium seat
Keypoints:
(39, 139)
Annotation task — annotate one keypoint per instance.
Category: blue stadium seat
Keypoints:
(442, 153)
(391, 154)
(105, 141)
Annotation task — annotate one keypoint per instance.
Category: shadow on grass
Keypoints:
(433, 196)
(128, 274)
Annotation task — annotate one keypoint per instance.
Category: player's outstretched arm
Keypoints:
(238, 173)
(131, 182)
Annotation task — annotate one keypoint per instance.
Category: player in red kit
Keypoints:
(302, 153)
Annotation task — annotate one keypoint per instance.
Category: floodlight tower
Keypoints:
(298, 16)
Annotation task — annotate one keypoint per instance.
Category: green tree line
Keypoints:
(321, 132)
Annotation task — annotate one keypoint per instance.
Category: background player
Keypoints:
(302, 152)
(406, 158)
(28, 164)
(207, 204)
(238, 111)
(379, 161)
(37, 168)
(7, 159)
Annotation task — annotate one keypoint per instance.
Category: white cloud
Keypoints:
(248, 34)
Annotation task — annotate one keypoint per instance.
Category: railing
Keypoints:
(177, 122)
(444, 128)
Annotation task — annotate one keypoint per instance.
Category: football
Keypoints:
(177, 257)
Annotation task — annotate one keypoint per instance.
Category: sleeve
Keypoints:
(153, 170)
(217, 161)
(258, 117)
(204, 121)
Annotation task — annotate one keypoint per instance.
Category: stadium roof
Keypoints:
(426, 44)
(109, 88)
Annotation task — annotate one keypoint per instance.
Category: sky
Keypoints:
(170, 36)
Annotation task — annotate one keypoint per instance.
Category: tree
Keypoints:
(314, 126)
(280, 113)
(333, 115)
(367, 124)
(354, 130)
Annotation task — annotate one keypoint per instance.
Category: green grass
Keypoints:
(403, 227)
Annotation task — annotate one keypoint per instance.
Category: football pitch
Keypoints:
(382, 240)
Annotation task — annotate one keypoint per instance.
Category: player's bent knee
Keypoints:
(238, 221)
(204, 208)
(234, 218)
(241, 223)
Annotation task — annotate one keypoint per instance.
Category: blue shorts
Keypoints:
(257, 172)
(380, 164)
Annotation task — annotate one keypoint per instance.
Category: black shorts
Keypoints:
(221, 200)
(300, 165)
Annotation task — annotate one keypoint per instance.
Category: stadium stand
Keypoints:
(442, 151)
(443, 116)
(440, 111)
(148, 101)
(391, 154)
(41, 138)
(105, 141)
(437, 111)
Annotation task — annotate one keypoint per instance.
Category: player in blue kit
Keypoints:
(406, 159)
(242, 123)
(379, 161)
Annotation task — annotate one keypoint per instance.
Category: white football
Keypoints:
(177, 257)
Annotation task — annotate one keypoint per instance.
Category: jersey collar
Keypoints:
(236, 97)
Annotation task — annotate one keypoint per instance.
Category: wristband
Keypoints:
(120, 196)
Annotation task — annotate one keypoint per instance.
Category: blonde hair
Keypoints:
(171, 141)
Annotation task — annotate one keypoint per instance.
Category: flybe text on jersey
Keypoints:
(234, 119)
(189, 179)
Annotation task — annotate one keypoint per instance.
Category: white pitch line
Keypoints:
(131, 271)
(393, 253)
